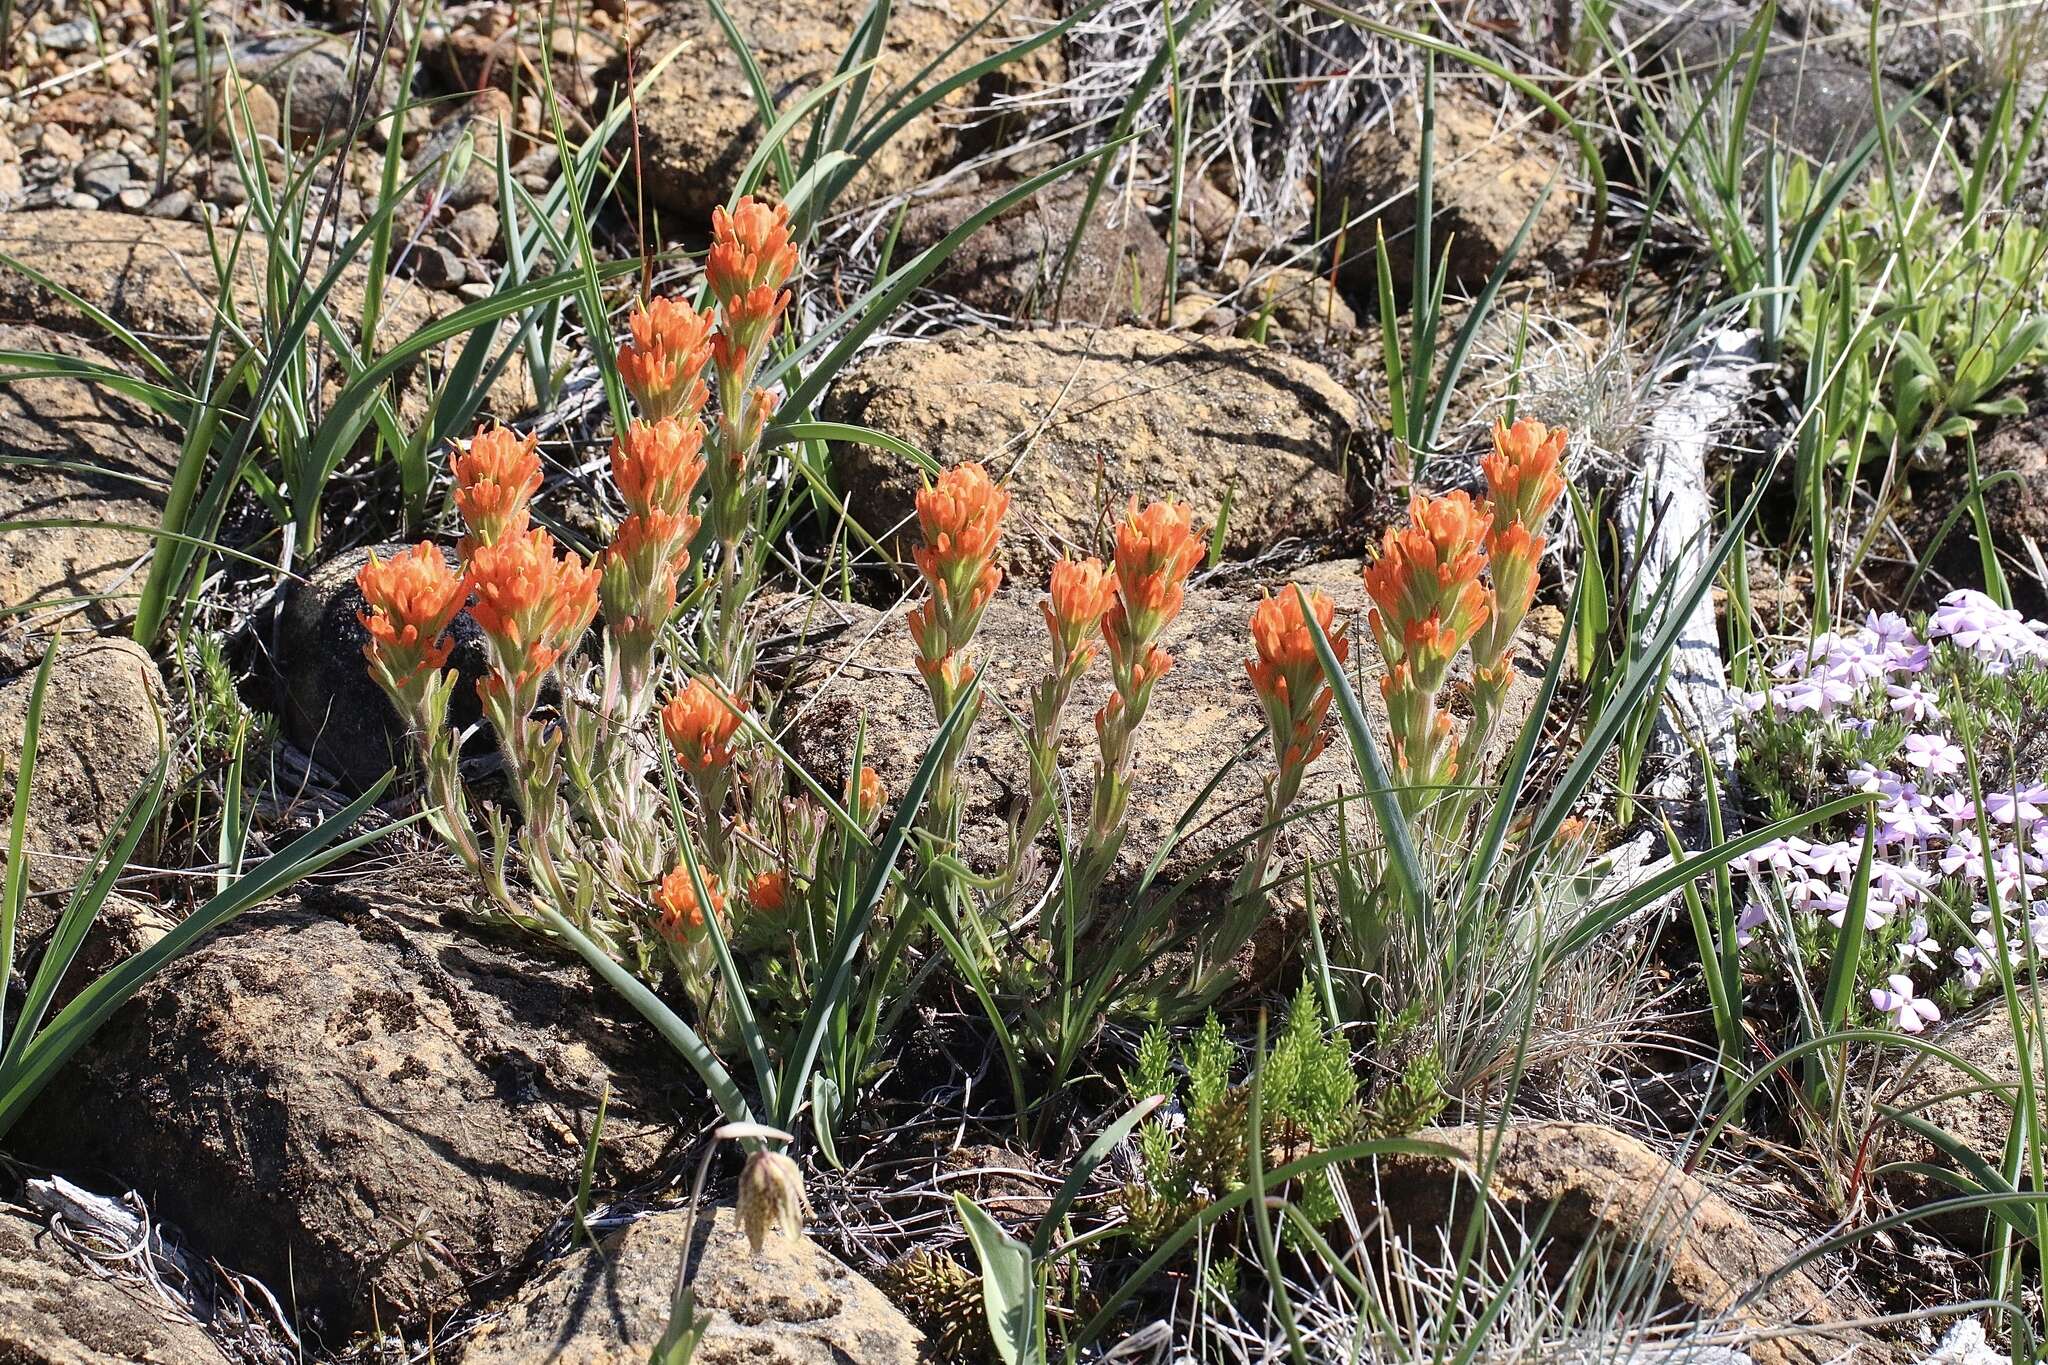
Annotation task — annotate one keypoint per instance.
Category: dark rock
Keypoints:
(365, 1096)
(333, 708)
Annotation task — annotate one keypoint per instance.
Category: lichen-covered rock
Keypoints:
(365, 1095)
(1491, 169)
(859, 677)
(1011, 266)
(790, 1304)
(1081, 420)
(1598, 1191)
(333, 708)
(54, 1311)
(101, 462)
(697, 125)
(102, 730)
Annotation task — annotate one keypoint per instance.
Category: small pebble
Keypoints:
(73, 36)
(170, 204)
(133, 199)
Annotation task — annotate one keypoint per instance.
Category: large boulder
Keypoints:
(1081, 420)
(319, 80)
(157, 278)
(1597, 1191)
(332, 707)
(102, 730)
(1491, 171)
(364, 1094)
(698, 123)
(74, 450)
(860, 678)
(1011, 267)
(791, 1304)
(54, 1311)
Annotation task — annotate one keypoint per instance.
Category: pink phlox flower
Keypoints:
(1935, 755)
(1909, 1013)
(1913, 703)
(1919, 945)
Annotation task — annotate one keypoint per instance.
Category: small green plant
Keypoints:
(1311, 1105)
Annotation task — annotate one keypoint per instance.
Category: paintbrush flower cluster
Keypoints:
(587, 820)
(1461, 573)
(1929, 723)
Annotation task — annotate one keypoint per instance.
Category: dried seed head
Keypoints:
(771, 1197)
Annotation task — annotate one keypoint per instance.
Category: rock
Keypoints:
(1098, 416)
(1816, 103)
(314, 79)
(74, 35)
(103, 175)
(1294, 305)
(462, 151)
(860, 670)
(437, 267)
(170, 204)
(365, 1095)
(1010, 268)
(1936, 1092)
(332, 708)
(84, 426)
(101, 733)
(791, 1305)
(1599, 1186)
(237, 104)
(55, 1311)
(155, 277)
(60, 142)
(1490, 172)
(697, 125)
(476, 230)
(95, 111)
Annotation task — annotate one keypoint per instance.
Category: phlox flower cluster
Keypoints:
(1940, 862)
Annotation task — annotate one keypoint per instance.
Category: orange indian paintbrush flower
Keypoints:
(1427, 597)
(496, 475)
(656, 465)
(750, 249)
(1156, 550)
(768, 892)
(532, 603)
(663, 362)
(961, 520)
(700, 722)
(1288, 675)
(868, 794)
(682, 916)
(411, 598)
(1080, 595)
(1522, 478)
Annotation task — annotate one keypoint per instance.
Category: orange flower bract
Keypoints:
(1288, 674)
(868, 795)
(961, 519)
(1156, 550)
(532, 602)
(700, 722)
(682, 916)
(656, 465)
(1080, 595)
(1522, 478)
(496, 475)
(1427, 597)
(768, 892)
(411, 598)
(750, 249)
(663, 363)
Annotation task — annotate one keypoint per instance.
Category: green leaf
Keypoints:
(1009, 1288)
